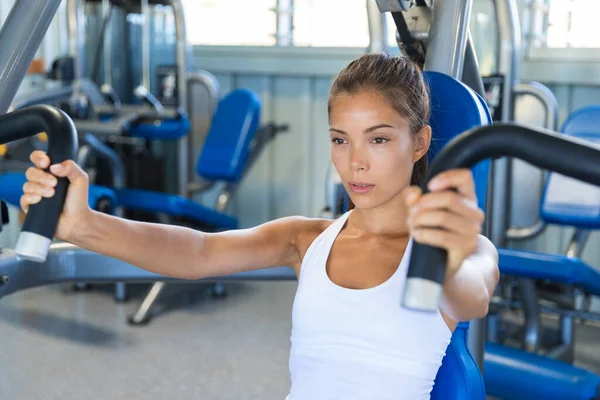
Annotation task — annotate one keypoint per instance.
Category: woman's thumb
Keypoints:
(70, 170)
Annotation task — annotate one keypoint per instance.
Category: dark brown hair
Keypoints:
(400, 82)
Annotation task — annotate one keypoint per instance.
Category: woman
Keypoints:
(350, 337)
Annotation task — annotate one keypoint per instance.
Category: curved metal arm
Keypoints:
(116, 166)
(210, 82)
(545, 96)
(528, 232)
(40, 223)
(546, 149)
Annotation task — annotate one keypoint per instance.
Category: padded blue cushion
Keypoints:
(554, 267)
(173, 205)
(455, 108)
(227, 144)
(512, 374)
(566, 201)
(11, 190)
(459, 377)
(167, 129)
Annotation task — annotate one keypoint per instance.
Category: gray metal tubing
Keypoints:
(21, 36)
(577, 243)
(471, 76)
(183, 167)
(532, 314)
(509, 48)
(76, 35)
(107, 46)
(378, 30)
(100, 128)
(448, 36)
(550, 104)
(145, 45)
(545, 97)
(210, 83)
(68, 263)
(529, 232)
(117, 168)
(46, 97)
(592, 316)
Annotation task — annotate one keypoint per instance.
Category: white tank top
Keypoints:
(360, 344)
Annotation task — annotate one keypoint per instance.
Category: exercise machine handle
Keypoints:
(542, 148)
(42, 218)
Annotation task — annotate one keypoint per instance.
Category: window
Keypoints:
(331, 23)
(569, 23)
(335, 23)
(230, 22)
(306, 23)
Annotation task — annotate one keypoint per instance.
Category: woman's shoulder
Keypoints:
(307, 226)
(305, 230)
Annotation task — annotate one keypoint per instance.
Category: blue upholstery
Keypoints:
(11, 190)
(173, 205)
(455, 108)
(227, 145)
(459, 377)
(552, 267)
(513, 374)
(223, 158)
(567, 201)
(166, 129)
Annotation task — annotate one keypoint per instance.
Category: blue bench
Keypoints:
(224, 158)
(565, 202)
(570, 203)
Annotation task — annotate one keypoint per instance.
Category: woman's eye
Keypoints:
(380, 140)
(338, 140)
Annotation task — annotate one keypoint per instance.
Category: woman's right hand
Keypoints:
(41, 184)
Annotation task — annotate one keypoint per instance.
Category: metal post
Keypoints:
(76, 35)
(107, 46)
(509, 49)
(183, 147)
(378, 32)
(448, 35)
(146, 45)
(20, 38)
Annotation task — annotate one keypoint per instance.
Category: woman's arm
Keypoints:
(448, 217)
(189, 254)
(467, 292)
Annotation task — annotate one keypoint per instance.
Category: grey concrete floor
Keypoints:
(79, 345)
(56, 344)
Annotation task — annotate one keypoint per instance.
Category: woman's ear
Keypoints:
(422, 142)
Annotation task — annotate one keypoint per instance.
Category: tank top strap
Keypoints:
(321, 246)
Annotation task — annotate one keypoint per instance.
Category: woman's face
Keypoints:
(372, 148)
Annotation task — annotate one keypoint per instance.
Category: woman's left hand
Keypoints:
(448, 216)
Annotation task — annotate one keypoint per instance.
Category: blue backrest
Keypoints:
(567, 201)
(455, 108)
(227, 144)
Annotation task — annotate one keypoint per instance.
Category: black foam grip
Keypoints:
(62, 145)
(42, 218)
(545, 149)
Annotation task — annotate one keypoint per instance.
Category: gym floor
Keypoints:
(57, 344)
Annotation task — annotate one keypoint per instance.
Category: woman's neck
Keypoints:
(388, 219)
